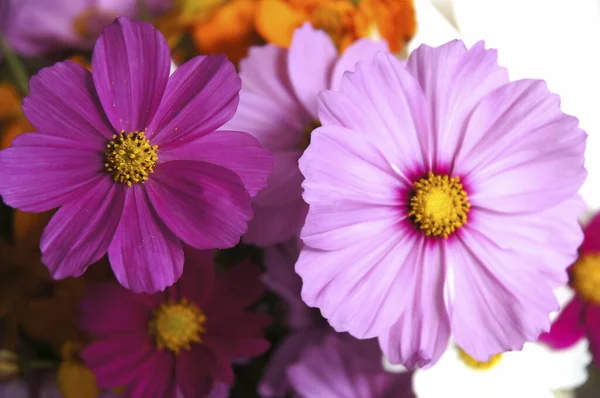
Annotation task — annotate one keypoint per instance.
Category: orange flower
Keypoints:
(343, 20)
(229, 30)
(73, 379)
(12, 120)
(216, 26)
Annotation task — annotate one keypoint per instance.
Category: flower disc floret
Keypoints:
(176, 325)
(130, 157)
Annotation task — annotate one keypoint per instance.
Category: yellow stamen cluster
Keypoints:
(586, 277)
(439, 205)
(176, 325)
(475, 364)
(130, 157)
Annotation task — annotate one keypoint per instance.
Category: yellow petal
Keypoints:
(74, 380)
(277, 20)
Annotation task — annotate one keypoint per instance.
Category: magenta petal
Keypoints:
(81, 231)
(276, 224)
(63, 102)
(311, 57)
(47, 174)
(235, 290)
(131, 64)
(205, 205)
(119, 360)
(200, 97)
(144, 254)
(156, 378)
(233, 150)
(240, 336)
(592, 325)
(363, 49)
(108, 310)
(591, 242)
(193, 369)
(197, 281)
(568, 328)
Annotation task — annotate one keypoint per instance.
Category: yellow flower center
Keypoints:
(586, 277)
(177, 325)
(130, 157)
(475, 364)
(439, 205)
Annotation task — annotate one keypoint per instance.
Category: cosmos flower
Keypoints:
(536, 371)
(179, 341)
(307, 328)
(343, 20)
(39, 26)
(132, 157)
(581, 316)
(278, 106)
(312, 347)
(443, 198)
(344, 367)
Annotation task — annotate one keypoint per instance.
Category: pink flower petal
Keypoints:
(233, 150)
(200, 97)
(275, 224)
(194, 370)
(41, 172)
(510, 297)
(240, 336)
(341, 282)
(117, 361)
(80, 232)
(454, 80)
(269, 109)
(311, 57)
(64, 102)
(568, 328)
(394, 118)
(421, 334)
(205, 205)
(121, 311)
(513, 172)
(363, 49)
(144, 254)
(131, 64)
(344, 171)
(157, 378)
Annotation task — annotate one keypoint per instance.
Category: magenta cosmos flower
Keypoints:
(443, 198)
(278, 106)
(177, 342)
(581, 316)
(38, 26)
(133, 158)
(344, 367)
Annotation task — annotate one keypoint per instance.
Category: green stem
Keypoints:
(16, 67)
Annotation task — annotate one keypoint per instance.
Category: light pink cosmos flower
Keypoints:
(443, 198)
(278, 106)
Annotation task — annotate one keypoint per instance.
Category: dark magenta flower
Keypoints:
(581, 316)
(179, 343)
(132, 157)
